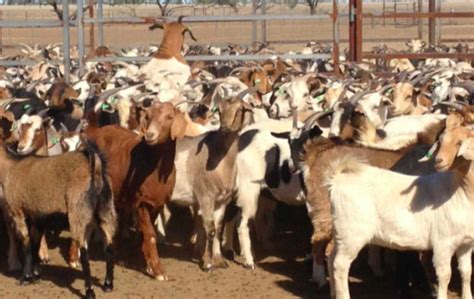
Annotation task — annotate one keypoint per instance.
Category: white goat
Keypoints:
(405, 212)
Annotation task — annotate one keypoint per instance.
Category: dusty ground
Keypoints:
(281, 273)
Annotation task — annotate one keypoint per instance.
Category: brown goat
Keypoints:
(173, 40)
(58, 93)
(143, 171)
(78, 188)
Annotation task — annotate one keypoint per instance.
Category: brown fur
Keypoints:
(143, 171)
(172, 42)
(58, 93)
(78, 187)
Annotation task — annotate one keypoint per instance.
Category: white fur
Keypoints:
(404, 130)
(251, 170)
(400, 212)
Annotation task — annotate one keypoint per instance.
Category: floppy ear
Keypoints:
(178, 126)
(466, 149)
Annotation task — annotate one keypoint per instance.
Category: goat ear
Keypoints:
(178, 126)
(466, 149)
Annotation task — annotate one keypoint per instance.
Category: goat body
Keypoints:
(401, 212)
(78, 187)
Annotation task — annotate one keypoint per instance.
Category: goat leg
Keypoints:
(109, 275)
(86, 270)
(150, 252)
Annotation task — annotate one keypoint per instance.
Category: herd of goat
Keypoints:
(380, 156)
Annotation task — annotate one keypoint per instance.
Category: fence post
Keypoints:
(420, 20)
(431, 23)
(335, 28)
(80, 35)
(264, 23)
(66, 41)
(254, 23)
(91, 28)
(100, 15)
(438, 23)
(1, 33)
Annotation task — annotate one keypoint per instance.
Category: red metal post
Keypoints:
(432, 23)
(355, 30)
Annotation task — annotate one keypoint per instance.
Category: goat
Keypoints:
(78, 188)
(168, 57)
(317, 156)
(406, 212)
(142, 169)
(207, 172)
(263, 162)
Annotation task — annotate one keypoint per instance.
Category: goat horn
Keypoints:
(244, 92)
(430, 153)
(467, 85)
(180, 19)
(454, 105)
(43, 112)
(63, 127)
(355, 98)
(315, 117)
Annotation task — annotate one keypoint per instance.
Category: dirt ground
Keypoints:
(281, 272)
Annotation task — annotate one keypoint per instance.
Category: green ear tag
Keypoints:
(429, 155)
(319, 98)
(256, 81)
(26, 106)
(104, 106)
(214, 109)
(54, 140)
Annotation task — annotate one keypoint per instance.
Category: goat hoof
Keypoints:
(162, 277)
(90, 294)
(249, 266)
(26, 280)
(108, 286)
(207, 268)
(74, 265)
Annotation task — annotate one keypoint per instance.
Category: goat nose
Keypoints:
(148, 135)
(438, 160)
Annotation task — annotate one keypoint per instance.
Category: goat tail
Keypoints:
(97, 166)
(101, 190)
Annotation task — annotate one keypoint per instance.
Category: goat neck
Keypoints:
(171, 45)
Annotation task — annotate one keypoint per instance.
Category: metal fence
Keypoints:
(354, 19)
